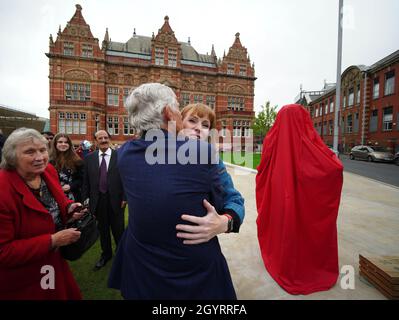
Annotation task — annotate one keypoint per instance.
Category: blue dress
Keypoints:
(151, 262)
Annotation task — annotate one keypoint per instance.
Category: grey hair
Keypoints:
(18, 136)
(145, 105)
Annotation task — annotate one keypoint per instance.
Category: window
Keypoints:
(344, 105)
(351, 97)
(61, 122)
(72, 123)
(223, 132)
(330, 127)
(243, 70)
(210, 101)
(198, 98)
(376, 88)
(374, 121)
(349, 124)
(326, 108)
(186, 99)
(237, 128)
(159, 56)
(113, 125)
(358, 94)
(235, 103)
(87, 50)
(389, 83)
(172, 57)
(83, 123)
(68, 48)
(127, 130)
(68, 124)
(113, 96)
(356, 124)
(77, 91)
(230, 68)
(125, 94)
(331, 105)
(324, 127)
(247, 131)
(317, 112)
(387, 119)
(75, 123)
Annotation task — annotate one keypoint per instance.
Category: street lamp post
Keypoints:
(338, 82)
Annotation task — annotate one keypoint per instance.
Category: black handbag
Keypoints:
(87, 225)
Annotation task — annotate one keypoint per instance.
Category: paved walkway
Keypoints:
(368, 224)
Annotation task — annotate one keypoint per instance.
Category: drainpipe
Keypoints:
(364, 107)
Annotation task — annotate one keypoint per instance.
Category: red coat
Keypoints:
(25, 238)
(298, 191)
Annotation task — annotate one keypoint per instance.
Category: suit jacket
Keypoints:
(25, 238)
(91, 177)
(151, 261)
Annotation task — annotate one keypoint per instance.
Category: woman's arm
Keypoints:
(215, 222)
(17, 252)
(233, 202)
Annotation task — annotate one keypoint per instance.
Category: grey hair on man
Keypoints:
(145, 106)
(18, 136)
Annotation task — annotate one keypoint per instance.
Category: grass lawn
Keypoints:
(93, 284)
(245, 159)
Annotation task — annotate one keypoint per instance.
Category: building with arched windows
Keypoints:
(89, 83)
(369, 106)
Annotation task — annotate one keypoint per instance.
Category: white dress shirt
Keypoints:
(107, 157)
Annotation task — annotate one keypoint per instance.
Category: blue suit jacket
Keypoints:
(151, 262)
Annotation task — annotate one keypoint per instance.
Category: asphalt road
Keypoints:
(384, 172)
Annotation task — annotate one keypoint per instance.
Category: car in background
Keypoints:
(371, 153)
(396, 160)
(332, 149)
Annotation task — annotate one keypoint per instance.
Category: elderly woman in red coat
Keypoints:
(33, 209)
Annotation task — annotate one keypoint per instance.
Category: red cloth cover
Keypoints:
(298, 190)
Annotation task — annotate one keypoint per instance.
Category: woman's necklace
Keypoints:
(35, 187)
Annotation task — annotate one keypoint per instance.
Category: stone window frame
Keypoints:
(112, 96)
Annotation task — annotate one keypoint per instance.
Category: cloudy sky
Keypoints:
(292, 42)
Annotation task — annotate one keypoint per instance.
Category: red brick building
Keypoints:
(369, 112)
(88, 84)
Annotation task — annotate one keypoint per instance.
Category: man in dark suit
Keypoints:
(153, 262)
(102, 185)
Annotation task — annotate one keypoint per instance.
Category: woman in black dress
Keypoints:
(68, 164)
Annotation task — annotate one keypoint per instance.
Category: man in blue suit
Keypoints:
(165, 176)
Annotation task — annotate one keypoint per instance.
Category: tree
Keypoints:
(264, 120)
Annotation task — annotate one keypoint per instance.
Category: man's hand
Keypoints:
(206, 227)
(123, 204)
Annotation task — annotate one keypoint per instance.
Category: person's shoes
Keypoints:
(101, 263)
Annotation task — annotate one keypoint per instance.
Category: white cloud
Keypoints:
(290, 41)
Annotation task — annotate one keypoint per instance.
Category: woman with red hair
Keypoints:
(298, 190)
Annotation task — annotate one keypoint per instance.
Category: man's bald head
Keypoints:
(102, 139)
